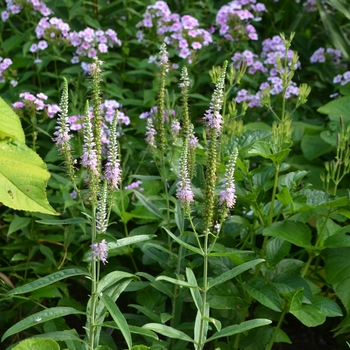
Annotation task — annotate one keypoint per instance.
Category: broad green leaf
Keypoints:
(196, 295)
(264, 293)
(327, 306)
(292, 231)
(168, 331)
(239, 328)
(40, 317)
(234, 272)
(47, 280)
(23, 178)
(37, 344)
(309, 315)
(291, 179)
(148, 204)
(340, 106)
(182, 243)
(337, 241)
(313, 146)
(140, 347)
(337, 267)
(276, 250)
(111, 279)
(122, 242)
(118, 318)
(10, 124)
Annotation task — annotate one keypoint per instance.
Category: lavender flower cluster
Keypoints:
(108, 110)
(167, 117)
(33, 103)
(234, 19)
(266, 63)
(14, 7)
(183, 33)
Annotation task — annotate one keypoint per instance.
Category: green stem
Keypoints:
(204, 295)
(94, 281)
(274, 335)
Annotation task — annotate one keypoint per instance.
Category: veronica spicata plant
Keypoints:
(102, 181)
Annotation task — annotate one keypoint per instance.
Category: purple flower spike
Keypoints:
(100, 251)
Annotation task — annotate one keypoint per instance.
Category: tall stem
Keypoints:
(94, 281)
(204, 294)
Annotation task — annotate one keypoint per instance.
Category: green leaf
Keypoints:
(239, 328)
(122, 242)
(327, 306)
(182, 243)
(196, 295)
(340, 106)
(60, 336)
(111, 279)
(150, 314)
(17, 223)
(47, 280)
(177, 282)
(23, 178)
(71, 221)
(10, 124)
(148, 204)
(292, 231)
(37, 344)
(337, 241)
(118, 318)
(168, 331)
(276, 250)
(40, 317)
(313, 146)
(234, 272)
(337, 268)
(338, 37)
(264, 293)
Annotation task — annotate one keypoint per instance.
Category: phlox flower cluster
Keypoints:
(5, 63)
(234, 19)
(91, 43)
(14, 7)
(52, 30)
(322, 55)
(183, 33)
(33, 103)
(342, 79)
(136, 185)
(266, 63)
(100, 251)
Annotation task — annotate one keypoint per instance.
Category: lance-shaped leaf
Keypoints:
(40, 317)
(23, 178)
(239, 328)
(118, 318)
(47, 280)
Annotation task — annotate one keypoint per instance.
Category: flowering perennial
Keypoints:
(13, 7)
(228, 195)
(180, 32)
(100, 251)
(234, 19)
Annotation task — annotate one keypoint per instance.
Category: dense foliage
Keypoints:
(173, 175)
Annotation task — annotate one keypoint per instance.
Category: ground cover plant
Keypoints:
(173, 175)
